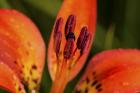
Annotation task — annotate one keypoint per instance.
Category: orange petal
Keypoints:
(9, 80)
(22, 47)
(116, 71)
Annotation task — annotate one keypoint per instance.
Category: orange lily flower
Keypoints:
(70, 41)
(22, 48)
(114, 71)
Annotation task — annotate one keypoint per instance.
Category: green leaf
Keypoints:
(4, 4)
(49, 6)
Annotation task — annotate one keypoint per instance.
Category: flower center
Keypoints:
(81, 43)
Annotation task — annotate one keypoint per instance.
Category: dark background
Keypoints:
(118, 26)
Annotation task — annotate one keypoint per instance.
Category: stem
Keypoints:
(60, 81)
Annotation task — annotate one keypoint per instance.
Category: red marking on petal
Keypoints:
(9, 80)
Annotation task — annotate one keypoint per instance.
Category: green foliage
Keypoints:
(122, 15)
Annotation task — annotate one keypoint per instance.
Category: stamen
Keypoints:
(58, 36)
(68, 50)
(58, 43)
(82, 43)
(83, 48)
(70, 37)
(58, 26)
(70, 25)
(83, 39)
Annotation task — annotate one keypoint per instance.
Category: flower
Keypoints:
(70, 41)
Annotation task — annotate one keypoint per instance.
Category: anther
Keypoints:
(58, 43)
(83, 39)
(68, 50)
(84, 44)
(58, 35)
(70, 37)
(58, 26)
(70, 25)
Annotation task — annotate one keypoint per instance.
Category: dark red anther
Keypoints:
(58, 35)
(58, 39)
(85, 43)
(68, 50)
(58, 26)
(83, 39)
(70, 25)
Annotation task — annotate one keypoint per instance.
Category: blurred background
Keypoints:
(118, 26)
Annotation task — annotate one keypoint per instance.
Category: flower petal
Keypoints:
(111, 72)
(22, 47)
